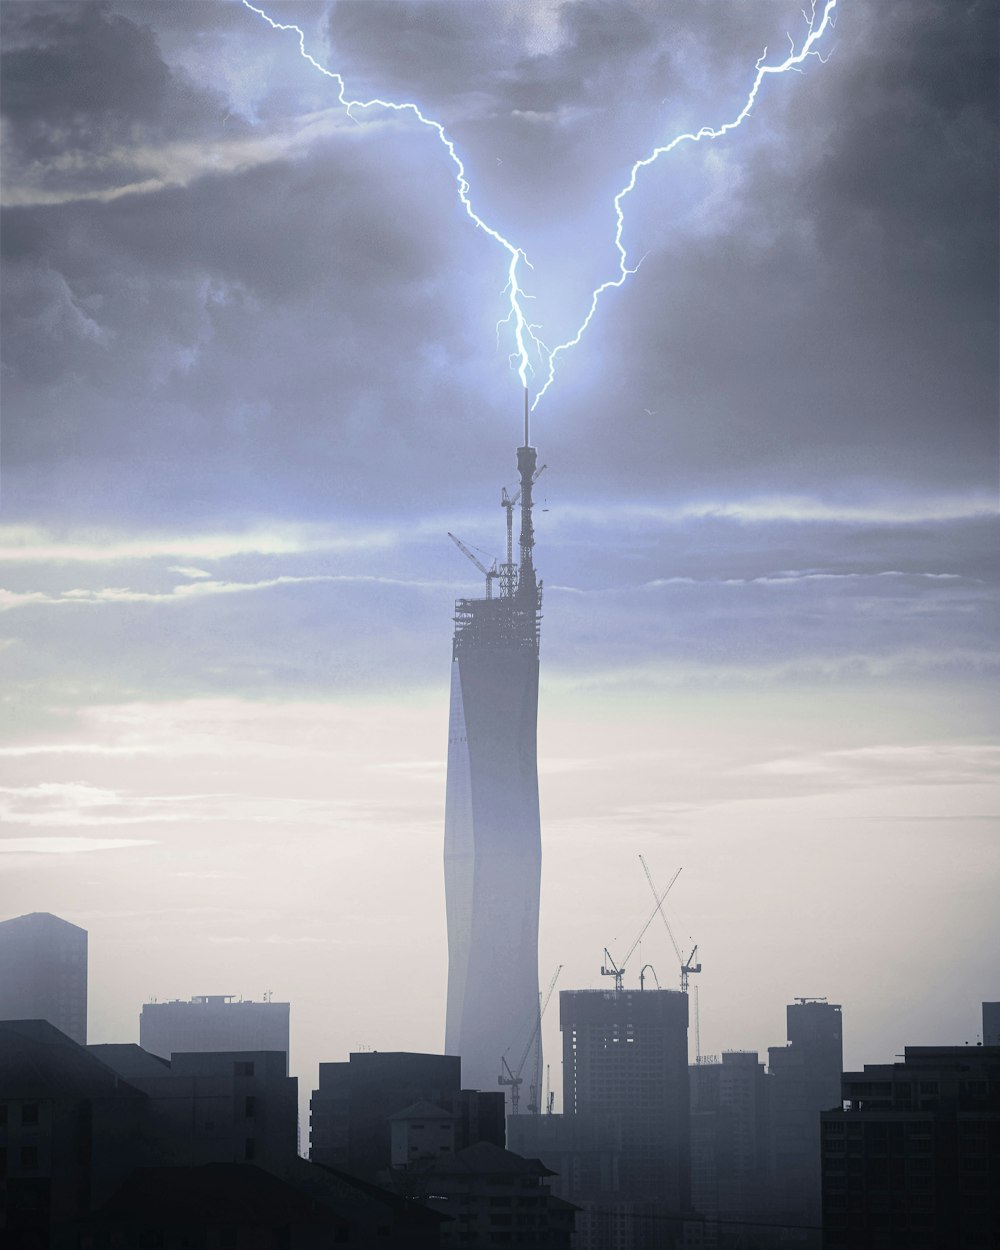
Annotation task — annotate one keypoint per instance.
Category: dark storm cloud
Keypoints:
(811, 315)
(80, 83)
(834, 326)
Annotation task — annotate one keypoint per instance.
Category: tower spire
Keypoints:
(526, 460)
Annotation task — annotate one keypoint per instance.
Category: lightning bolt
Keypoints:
(524, 331)
(814, 32)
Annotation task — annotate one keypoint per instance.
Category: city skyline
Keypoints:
(252, 380)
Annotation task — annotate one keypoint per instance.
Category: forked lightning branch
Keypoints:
(531, 357)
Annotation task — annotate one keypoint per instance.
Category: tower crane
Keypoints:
(688, 966)
(514, 1078)
(489, 573)
(611, 969)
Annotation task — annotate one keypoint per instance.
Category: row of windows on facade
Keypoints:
(25, 1113)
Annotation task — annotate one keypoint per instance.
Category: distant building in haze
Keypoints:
(912, 1160)
(43, 972)
(991, 1024)
(804, 1079)
(357, 1113)
(213, 1022)
(492, 843)
(729, 1146)
(625, 1060)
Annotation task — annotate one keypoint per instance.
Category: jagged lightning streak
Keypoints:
(522, 330)
(815, 32)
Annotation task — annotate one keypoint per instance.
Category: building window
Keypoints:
(3, 1115)
(29, 1158)
(29, 1113)
(243, 1068)
(250, 1148)
(250, 1106)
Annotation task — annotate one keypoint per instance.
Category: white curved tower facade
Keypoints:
(492, 848)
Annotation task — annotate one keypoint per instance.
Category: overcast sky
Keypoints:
(252, 376)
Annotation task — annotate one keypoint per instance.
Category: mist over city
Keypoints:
(467, 468)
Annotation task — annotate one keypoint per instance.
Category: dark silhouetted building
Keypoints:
(43, 972)
(219, 1205)
(492, 844)
(213, 1107)
(213, 1022)
(991, 1024)
(351, 1113)
(494, 1198)
(70, 1130)
(729, 1150)
(803, 1079)
(625, 1062)
(112, 1148)
(912, 1160)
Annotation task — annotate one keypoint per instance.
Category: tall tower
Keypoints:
(492, 840)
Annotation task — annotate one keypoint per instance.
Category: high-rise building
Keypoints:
(803, 1080)
(213, 1022)
(991, 1024)
(43, 972)
(912, 1158)
(625, 1059)
(492, 845)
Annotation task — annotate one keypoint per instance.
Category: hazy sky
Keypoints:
(252, 376)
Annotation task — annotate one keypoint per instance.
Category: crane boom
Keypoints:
(489, 573)
(673, 940)
(688, 965)
(611, 969)
(657, 908)
(514, 1078)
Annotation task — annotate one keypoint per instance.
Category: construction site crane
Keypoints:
(688, 966)
(514, 1078)
(489, 573)
(619, 972)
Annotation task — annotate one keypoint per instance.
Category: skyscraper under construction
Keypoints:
(492, 847)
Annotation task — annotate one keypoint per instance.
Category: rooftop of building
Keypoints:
(42, 920)
(39, 1061)
(486, 1159)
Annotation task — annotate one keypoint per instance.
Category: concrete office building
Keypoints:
(804, 1080)
(912, 1159)
(492, 850)
(213, 1022)
(625, 1059)
(43, 972)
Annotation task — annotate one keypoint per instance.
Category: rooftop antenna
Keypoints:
(527, 460)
